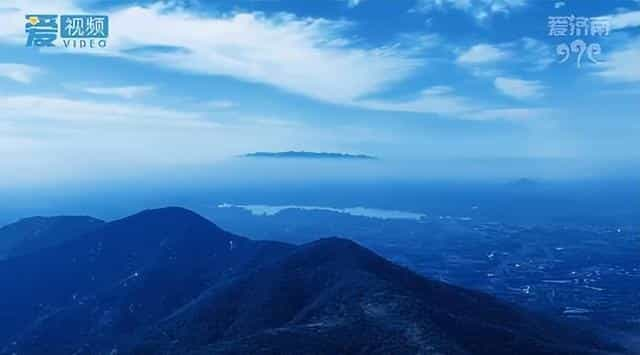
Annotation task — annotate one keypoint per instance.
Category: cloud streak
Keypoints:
(625, 20)
(124, 92)
(64, 109)
(481, 54)
(313, 57)
(445, 102)
(518, 88)
(220, 104)
(480, 9)
(310, 57)
(20, 73)
(354, 3)
(623, 64)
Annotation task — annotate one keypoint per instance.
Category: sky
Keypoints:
(185, 85)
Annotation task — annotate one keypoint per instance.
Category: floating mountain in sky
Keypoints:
(168, 281)
(309, 155)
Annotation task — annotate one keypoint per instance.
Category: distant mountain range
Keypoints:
(168, 281)
(309, 155)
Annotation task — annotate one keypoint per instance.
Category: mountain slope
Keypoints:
(333, 296)
(170, 282)
(152, 262)
(32, 234)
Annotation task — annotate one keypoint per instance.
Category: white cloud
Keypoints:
(65, 109)
(354, 3)
(625, 20)
(534, 54)
(220, 104)
(19, 72)
(511, 114)
(623, 64)
(430, 5)
(518, 88)
(125, 92)
(483, 53)
(493, 60)
(439, 100)
(480, 9)
(444, 101)
(417, 43)
(305, 56)
(313, 57)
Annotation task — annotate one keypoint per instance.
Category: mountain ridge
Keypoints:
(30, 234)
(168, 281)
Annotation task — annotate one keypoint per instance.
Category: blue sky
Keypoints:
(184, 84)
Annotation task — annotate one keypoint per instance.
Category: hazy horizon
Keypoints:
(397, 80)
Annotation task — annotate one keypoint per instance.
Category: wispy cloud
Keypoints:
(354, 3)
(125, 92)
(623, 64)
(279, 50)
(534, 54)
(439, 100)
(276, 50)
(443, 101)
(518, 88)
(19, 72)
(483, 53)
(480, 9)
(512, 114)
(499, 59)
(220, 104)
(66, 109)
(625, 20)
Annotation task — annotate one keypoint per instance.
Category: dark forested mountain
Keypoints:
(168, 281)
(31, 234)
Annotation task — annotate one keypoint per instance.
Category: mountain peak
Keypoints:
(334, 243)
(167, 215)
(169, 211)
(176, 223)
(169, 281)
(339, 252)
